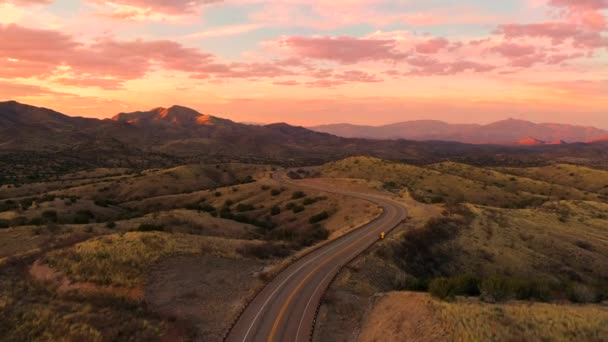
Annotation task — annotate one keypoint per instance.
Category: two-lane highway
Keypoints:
(285, 309)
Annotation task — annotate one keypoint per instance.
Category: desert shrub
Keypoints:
(53, 228)
(192, 206)
(319, 217)
(405, 282)
(49, 216)
(275, 210)
(290, 205)
(111, 225)
(265, 187)
(103, 202)
(309, 201)
(207, 208)
(436, 199)
(26, 203)
(275, 192)
(312, 235)
(266, 250)
(149, 227)
(531, 290)
(441, 288)
(497, 289)
(83, 216)
(242, 207)
(390, 185)
(18, 221)
(448, 288)
(8, 205)
(580, 293)
(226, 213)
(297, 209)
(228, 203)
(47, 198)
(425, 253)
(248, 179)
(217, 194)
(293, 175)
(36, 221)
(584, 245)
(4, 224)
(298, 195)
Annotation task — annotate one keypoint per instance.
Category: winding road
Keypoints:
(285, 309)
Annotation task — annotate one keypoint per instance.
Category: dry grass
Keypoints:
(474, 321)
(123, 259)
(428, 185)
(541, 244)
(181, 179)
(573, 176)
(406, 316)
(514, 184)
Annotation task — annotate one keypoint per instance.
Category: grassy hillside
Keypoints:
(410, 316)
(504, 235)
(574, 176)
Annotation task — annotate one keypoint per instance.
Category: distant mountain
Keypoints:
(507, 132)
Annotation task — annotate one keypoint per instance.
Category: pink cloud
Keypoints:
(431, 46)
(357, 76)
(426, 66)
(26, 2)
(150, 9)
(287, 83)
(345, 50)
(586, 4)
(107, 62)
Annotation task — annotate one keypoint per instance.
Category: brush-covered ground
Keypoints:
(164, 254)
(496, 254)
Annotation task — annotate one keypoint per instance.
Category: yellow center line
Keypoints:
(275, 326)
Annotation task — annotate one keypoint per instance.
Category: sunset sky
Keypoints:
(311, 62)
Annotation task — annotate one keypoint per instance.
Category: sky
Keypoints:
(310, 62)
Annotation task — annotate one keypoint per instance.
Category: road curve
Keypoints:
(285, 309)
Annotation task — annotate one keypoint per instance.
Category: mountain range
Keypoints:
(505, 132)
(35, 141)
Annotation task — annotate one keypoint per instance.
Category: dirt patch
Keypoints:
(404, 316)
(206, 292)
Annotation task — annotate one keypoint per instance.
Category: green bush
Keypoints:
(319, 217)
